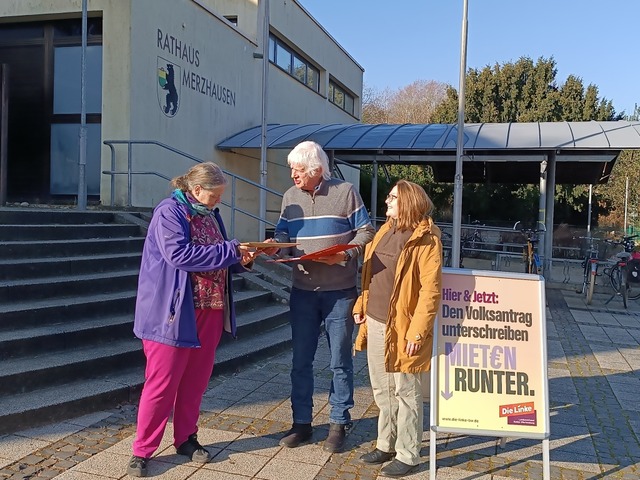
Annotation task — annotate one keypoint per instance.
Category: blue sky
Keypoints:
(598, 41)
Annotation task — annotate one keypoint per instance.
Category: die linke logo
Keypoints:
(168, 87)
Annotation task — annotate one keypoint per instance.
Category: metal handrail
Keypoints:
(130, 173)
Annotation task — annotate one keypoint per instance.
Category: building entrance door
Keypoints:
(44, 61)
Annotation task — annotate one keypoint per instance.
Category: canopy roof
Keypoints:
(493, 152)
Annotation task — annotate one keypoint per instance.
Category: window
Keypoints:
(340, 97)
(294, 64)
(233, 19)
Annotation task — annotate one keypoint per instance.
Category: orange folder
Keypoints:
(320, 253)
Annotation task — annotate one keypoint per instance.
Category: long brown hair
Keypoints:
(413, 204)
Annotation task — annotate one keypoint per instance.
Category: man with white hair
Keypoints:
(319, 212)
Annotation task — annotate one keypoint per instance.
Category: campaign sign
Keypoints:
(490, 355)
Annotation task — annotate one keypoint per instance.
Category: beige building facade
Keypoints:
(166, 80)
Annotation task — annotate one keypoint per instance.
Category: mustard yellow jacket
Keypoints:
(415, 298)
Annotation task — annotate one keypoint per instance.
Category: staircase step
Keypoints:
(56, 231)
(247, 300)
(68, 247)
(55, 310)
(54, 403)
(37, 216)
(63, 335)
(23, 374)
(69, 265)
(232, 355)
(257, 321)
(67, 286)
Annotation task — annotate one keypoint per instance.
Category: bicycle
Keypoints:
(590, 265)
(446, 251)
(472, 241)
(532, 262)
(620, 273)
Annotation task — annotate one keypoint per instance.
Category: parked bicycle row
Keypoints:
(621, 272)
(602, 261)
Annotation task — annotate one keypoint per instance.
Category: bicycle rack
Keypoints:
(566, 271)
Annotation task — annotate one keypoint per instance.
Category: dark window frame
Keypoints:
(341, 97)
(277, 48)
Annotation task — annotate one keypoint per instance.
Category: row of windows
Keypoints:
(298, 67)
(292, 63)
(340, 97)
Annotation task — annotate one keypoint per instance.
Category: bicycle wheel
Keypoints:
(614, 277)
(633, 290)
(591, 285)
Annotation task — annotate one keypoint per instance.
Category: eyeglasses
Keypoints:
(391, 197)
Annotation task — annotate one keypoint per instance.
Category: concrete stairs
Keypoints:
(67, 293)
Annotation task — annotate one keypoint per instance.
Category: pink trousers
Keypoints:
(175, 380)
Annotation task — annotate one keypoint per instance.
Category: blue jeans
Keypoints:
(308, 311)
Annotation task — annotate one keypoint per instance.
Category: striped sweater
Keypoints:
(333, 214)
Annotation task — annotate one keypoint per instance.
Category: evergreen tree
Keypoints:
(524, 91)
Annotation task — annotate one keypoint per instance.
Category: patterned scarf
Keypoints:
(196, 208)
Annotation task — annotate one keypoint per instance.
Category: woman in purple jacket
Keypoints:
(183, 304)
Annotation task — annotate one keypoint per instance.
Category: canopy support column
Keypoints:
(550, 207)
(374, 193)
(542, 210)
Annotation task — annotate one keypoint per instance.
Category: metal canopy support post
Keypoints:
(589, 210)
(550, 208)
(82, 161)
(374, 193)
(542, 202)
(626, 203)
(263, 121)
(458, 181)
(4, 129)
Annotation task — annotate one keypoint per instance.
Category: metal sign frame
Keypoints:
(491, 320)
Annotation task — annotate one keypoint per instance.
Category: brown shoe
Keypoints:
(335, 439)
(299, 433)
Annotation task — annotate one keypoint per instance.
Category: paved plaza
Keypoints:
(594, 389)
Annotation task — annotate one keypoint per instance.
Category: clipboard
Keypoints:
(268, 244)
(320, 253)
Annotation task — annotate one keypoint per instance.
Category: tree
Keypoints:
(414, 103)
(524, 91)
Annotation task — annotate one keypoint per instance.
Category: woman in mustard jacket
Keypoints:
(401, 278)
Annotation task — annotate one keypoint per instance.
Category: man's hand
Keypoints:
(270, 251)
(339, 257)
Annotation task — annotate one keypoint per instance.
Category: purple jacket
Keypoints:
(164, 304)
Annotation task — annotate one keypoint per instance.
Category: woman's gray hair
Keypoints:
(208, 175)
(311, 158)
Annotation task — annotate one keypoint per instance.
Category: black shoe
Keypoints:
(192, 449)
(137, 466)
(299, 433)
(396, 469)
(335, 439)
(377, 456)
